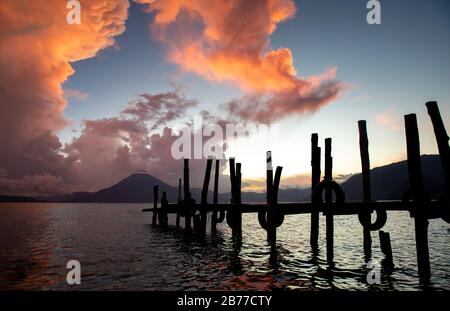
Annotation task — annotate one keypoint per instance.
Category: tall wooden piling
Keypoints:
(367, 191)
(272, 226)
(328, 201)
(162, 214)
(187, 198)
(238, 229)
(179, 202)
(238, 182)
(269, 176)
(215, 198)
(418, 196)
(269, 187)
(232, 178)
(315, 179)
(234, 215)
(155, 205)
(442, 141)
(204, 201)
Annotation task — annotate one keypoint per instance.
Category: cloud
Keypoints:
(159, 108)
(229, 41)
(74, 93)
(38, 47)
(41, 48)
(268, 107)
(296, 181)
(389, 120)
(222, 41)
(139, 138)
(42, 184)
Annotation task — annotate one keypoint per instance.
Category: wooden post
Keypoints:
(155, 205)
(215, 198)
(442, 141)
(187, 198)
(418, 196)
(179, 203)
(269, 188)
(238, 229)
(162, 215)
(315, 179)
(269, 176)
(271, 228)
(232, 178)
(367, 192)
(276, 185)
(204, 202)
(238, 182)
(234, 215)
(328, 201)
(385, 244)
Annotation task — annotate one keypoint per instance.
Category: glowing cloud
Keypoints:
(228, 41)
(37, 47)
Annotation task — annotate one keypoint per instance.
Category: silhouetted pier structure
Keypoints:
(327, 197)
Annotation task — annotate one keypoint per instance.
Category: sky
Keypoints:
(83, 106)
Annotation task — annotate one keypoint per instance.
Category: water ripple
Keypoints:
(118, 249)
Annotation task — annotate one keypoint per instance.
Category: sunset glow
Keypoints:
(88, 104)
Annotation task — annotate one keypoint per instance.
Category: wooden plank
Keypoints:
(436, 209)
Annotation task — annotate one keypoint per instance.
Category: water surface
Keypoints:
(119, 250)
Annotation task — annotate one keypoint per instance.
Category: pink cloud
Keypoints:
(389, 120)
(77, 94)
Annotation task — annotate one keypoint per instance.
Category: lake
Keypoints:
(119, 250)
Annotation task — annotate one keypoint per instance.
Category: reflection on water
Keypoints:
(118, 249)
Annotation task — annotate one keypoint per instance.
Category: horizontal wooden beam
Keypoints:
(436, 209)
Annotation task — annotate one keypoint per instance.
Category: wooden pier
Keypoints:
(327, 197)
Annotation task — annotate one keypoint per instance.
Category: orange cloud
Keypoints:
(37, 48)
(228, 41)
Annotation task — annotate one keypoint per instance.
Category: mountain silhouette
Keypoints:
(389, 182)
(136, 188)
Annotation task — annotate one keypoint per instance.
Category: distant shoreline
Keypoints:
(17, 199)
